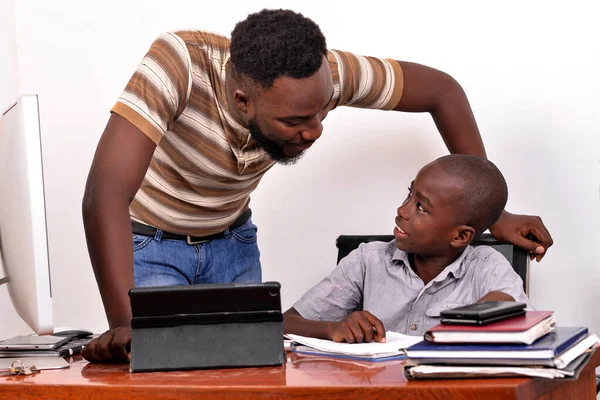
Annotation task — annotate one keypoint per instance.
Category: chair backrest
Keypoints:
(516, 256)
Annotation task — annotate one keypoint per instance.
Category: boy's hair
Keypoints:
(274, 43)
(484, 193)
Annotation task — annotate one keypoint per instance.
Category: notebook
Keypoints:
(560, 361)
(449, 371)
(549, 346)
(300, 349)
(394, 346)
(524, 329)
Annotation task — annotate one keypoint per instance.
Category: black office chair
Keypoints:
(518, 257)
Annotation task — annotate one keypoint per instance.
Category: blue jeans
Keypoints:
(163, 262)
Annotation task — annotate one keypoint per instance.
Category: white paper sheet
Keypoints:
(395, 344)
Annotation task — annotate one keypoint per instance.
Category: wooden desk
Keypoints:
(303, 377)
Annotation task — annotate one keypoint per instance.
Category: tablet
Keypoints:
(205, 304)
(206, 326)
(33, 342)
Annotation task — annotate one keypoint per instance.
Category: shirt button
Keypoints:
(413, 327)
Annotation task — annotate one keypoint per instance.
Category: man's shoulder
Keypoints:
(202, 39)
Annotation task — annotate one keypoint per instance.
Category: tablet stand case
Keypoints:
(214, 326)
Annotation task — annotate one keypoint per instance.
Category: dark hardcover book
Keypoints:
(549, 346)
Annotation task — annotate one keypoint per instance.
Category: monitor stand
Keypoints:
(3, 279)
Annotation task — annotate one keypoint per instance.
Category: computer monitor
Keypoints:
(23, 237)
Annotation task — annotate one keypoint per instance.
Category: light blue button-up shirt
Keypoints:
(377, 277)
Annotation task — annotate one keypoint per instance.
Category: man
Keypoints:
(200, 122)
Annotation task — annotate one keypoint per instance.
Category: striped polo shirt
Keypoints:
(206, 164)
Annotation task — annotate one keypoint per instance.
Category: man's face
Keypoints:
(426, 221)
(286, 118)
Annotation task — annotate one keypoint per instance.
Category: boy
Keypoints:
(403, 285)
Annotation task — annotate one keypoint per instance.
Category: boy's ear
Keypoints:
(463, 236)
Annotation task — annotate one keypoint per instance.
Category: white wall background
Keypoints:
(530, 70)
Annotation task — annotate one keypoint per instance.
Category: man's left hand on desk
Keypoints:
(112, 346)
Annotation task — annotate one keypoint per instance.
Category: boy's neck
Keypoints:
(428, 267)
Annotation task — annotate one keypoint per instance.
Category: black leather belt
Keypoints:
(147, 230)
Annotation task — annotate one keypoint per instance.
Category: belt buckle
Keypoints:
(188, 239)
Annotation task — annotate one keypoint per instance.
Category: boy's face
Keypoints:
(426, 221)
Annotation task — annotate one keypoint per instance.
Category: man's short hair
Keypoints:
(484, 193)
(275, 43)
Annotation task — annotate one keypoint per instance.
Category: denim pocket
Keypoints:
(245, 233)
(139, 241)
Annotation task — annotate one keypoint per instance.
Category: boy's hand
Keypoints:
(360, 326)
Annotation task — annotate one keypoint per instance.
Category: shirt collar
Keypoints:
(457, 268)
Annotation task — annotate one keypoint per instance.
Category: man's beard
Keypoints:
(274, 150)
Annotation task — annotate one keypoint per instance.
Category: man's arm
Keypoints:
(430, 90)
(496, 296)
(360, 326)
(120, 163)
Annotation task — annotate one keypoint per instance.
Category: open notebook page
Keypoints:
(395, 343)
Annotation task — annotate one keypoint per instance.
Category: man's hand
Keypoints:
(112, 346)
(360, 326)
(516, 229)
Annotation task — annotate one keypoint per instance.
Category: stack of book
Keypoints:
(529, 345)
